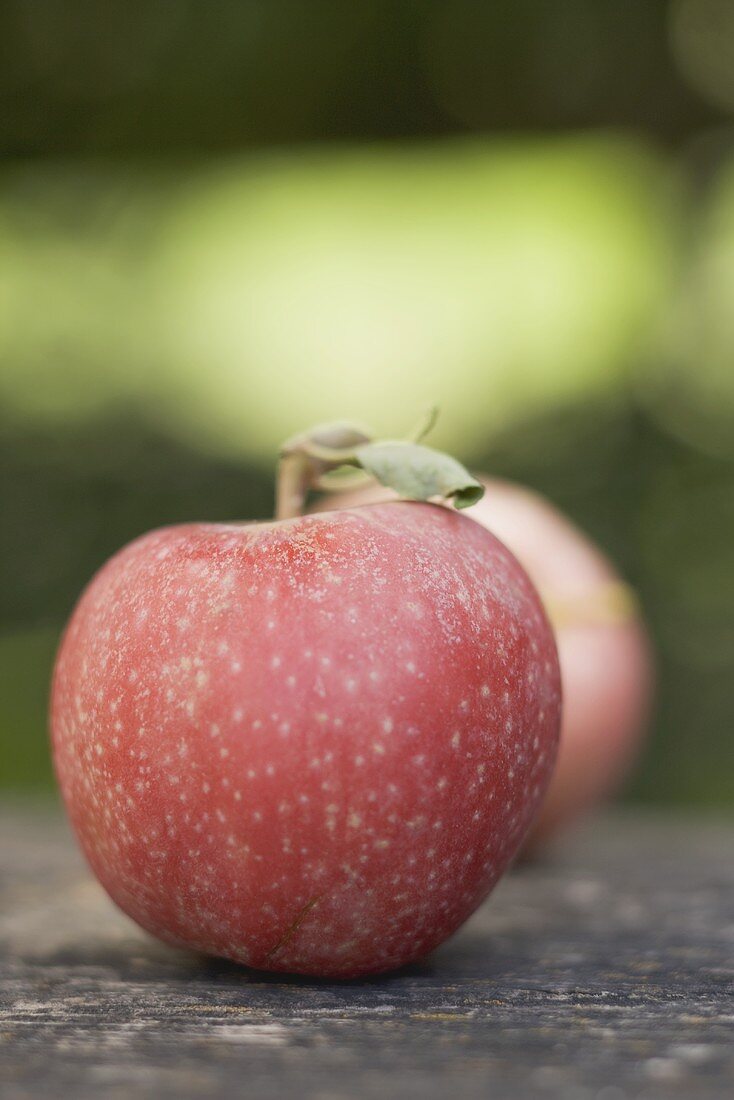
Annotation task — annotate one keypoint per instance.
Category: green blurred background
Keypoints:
(221, 221)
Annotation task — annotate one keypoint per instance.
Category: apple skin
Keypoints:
(309, 746)
(606, 661)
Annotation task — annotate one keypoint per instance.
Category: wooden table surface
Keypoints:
(604, 972)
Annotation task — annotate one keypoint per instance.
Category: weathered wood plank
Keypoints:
(604, 972)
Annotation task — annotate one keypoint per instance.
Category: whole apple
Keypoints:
(604, 651)
(310, 745)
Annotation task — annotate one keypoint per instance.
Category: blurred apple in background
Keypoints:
(605, 656)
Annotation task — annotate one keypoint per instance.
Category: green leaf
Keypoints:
(419, 473)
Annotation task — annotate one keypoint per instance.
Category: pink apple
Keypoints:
(311, 745)
(604, 652)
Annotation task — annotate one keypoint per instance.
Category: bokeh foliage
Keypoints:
(218, 219)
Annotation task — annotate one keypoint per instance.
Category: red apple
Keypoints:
(604, 652)
(311, 745)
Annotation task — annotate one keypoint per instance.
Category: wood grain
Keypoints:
(602, 973)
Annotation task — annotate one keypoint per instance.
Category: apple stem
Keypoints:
(292, 486)
(306, 458)
(332, 457)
